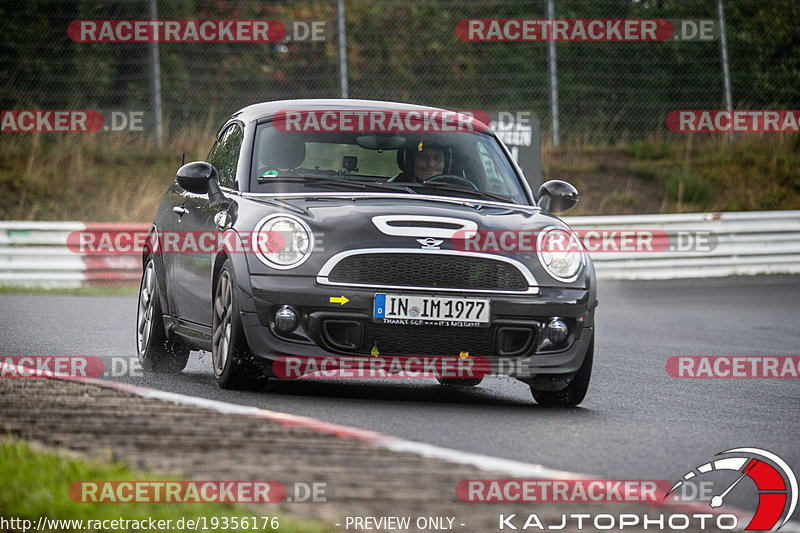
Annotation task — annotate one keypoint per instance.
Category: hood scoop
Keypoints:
(422, 226)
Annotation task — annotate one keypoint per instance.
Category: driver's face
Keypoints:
(428, 163)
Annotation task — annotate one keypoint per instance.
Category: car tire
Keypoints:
(234, 366)
(575, 392)
(156, 352)
(459, 382)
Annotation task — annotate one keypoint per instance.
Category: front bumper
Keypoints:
(514, 344)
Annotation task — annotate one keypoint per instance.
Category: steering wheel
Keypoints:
(452, 179)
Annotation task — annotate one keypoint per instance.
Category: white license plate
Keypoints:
(403, 309)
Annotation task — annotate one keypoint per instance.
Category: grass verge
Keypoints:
(36, 484)
(131, 290)
(679, 173)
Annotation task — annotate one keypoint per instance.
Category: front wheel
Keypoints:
(575, 392)
(156, 352)
(234, 366)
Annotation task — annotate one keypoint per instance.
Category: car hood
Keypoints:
(358, 212)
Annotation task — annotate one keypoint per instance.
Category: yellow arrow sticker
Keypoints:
(341, 300)
(374, 351)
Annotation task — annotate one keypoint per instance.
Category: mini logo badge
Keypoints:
(430, 243)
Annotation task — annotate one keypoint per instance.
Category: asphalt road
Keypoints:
(636, 423)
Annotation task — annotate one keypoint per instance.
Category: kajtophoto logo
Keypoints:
(775, 481)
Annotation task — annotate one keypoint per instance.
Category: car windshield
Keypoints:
(468, 164)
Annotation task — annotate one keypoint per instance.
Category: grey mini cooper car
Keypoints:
(347, 230)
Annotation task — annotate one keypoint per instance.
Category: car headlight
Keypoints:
(282, 241)
(561, 253)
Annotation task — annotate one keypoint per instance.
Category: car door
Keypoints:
(192, 272)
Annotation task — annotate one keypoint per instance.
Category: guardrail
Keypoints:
(35, 254)
(746, 243)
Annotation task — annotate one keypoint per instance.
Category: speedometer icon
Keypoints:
(776, 483)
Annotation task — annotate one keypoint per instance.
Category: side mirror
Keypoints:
(557, 196)
(195, 177)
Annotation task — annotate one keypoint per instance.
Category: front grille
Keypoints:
(426, 340)
(429, 270)
(358, 336)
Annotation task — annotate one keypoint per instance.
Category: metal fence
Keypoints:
(751, 243)
(405, 51)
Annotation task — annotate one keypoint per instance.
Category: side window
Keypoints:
(494, 181)
(488, 165)
(225, 155)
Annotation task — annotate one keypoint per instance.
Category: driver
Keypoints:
(422, 161)
(428, 163)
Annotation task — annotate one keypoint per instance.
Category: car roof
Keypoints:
(268, 109)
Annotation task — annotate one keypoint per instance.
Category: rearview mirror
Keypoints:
(194, 177)
(380, 142)
(557, 196)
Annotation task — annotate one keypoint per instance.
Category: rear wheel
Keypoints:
(234, 366)
(156, 351)
(575, 392)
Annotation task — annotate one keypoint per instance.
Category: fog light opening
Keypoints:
(342, 334)
(557, 331)
(514, 341)
(286, 319)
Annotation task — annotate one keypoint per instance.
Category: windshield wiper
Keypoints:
(308, 181)
(480, 194)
